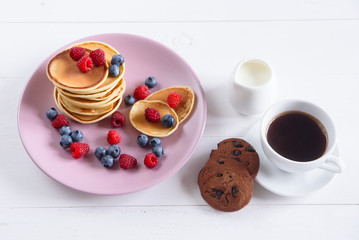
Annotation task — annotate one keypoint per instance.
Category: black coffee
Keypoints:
(297, 136)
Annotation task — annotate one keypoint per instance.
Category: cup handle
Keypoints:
(333, 164)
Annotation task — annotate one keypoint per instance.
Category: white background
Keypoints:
(314, 49)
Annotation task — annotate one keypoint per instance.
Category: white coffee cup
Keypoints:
(327, 161)
(252, 87)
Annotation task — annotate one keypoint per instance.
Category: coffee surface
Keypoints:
(297, 136)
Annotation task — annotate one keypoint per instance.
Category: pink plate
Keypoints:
(144, 58)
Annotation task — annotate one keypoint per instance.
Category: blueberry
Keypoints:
(51, 114)
(114, 151)
(129, 100)
(107, 161)
(65, 130)
(168, 121)
(158, 151)
(76, 136)
(142, 140)
(114, 71)
(155, 142)
(100, 152)
(117, 60)
(151, 82)
(65, 141)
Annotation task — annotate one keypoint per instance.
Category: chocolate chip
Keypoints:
(250, 149)
(219, 174)
(236, 159)
(237, 152)
(227, 199)
(218, 193)
(237, 144)
(221, 162)
(234, 191)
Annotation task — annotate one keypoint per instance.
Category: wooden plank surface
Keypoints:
(313, 47)
(185, 10)
(182, 222)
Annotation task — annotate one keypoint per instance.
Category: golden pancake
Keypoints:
(62, 70)
(92, 104)
(153, 129)
(185, 107)
(91, 119)
(100, 96)
(87, 111)
(84, 111)
(84, 118)
(109, 53)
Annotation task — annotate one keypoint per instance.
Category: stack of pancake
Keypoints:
(86, 97)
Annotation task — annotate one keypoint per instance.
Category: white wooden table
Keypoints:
(312, 45)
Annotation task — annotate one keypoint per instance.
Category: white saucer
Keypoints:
(284, 183)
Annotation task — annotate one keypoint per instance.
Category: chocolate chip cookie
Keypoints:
(226, 180)
(226, 189)
(237, 150)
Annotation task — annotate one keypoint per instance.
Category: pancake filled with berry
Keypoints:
(153, 118)
(180, 98)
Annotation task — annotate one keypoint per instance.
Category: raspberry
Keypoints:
(79, 149)
(85, 64)
(59, 121)
(152, 115)
(151, 160)
(113, 137)
(117, 119)
(77, 52)
(173, 99)
(98, 57)
(127, 161)
(141, 92)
